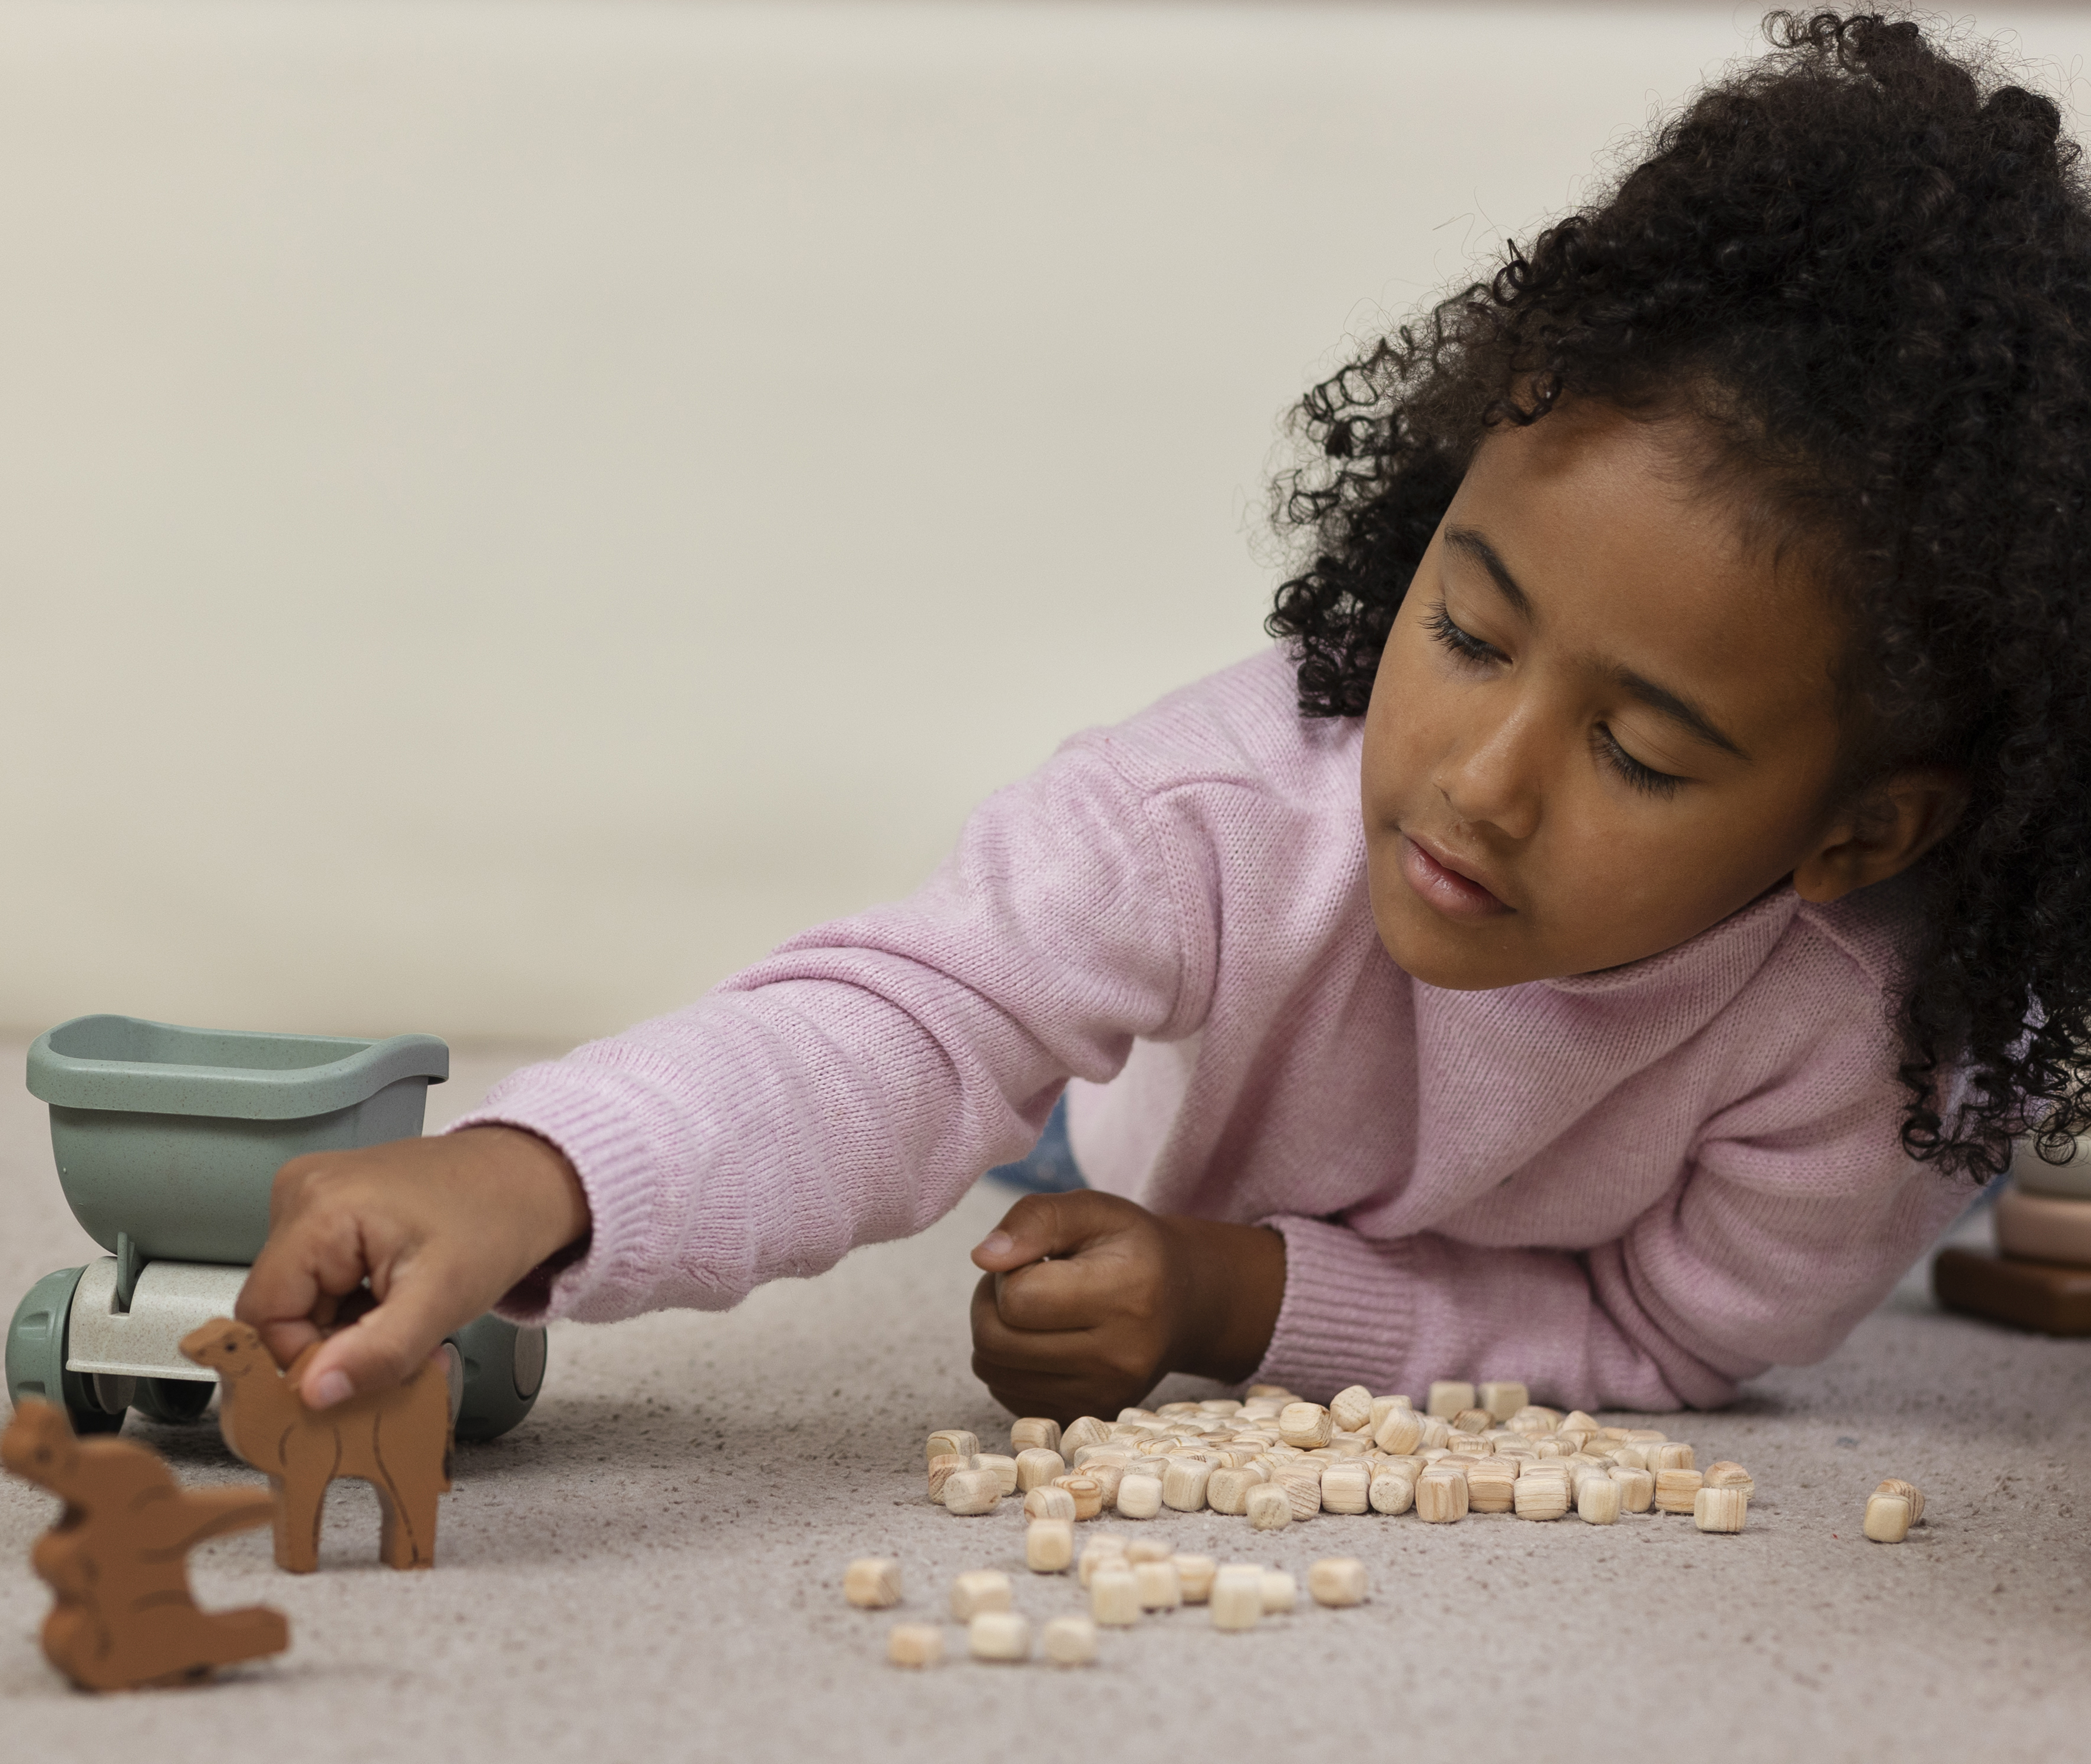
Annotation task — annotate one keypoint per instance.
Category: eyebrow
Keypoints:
(1680, 710)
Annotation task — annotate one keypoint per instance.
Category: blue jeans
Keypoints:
(1050, 1168)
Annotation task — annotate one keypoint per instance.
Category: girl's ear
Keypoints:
(1884, 833)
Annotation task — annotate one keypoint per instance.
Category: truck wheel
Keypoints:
(174, 1401)
(36, 1359)
(504, 1369)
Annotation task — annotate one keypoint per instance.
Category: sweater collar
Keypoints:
(1743, 940)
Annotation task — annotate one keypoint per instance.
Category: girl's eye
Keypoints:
(1462, 643)
(1642, 778)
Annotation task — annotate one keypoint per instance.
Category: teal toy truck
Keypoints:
(167, 1140)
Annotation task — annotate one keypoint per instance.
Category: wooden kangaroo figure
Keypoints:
(399, 1441)
(116, 1559)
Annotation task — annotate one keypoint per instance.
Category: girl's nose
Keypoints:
(1491, 777)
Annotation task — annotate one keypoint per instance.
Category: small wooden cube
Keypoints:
(1727, 1474)
(1887, 1518)
(1450, 1397)
(1194, 1575)
(873, 1582)
(1302, 1486)
(1350, 1409)
(1139, 1549)
(979, 1589)
(1085, 1430)
(1269, 1507)
(1103, 1552)
(1399, 1431)
(1576, 1422)
(971, 1493)
(1636, 1489)
(1139, 1497)
(1281, 1592)
(1470, 1420)
(1676, 1490)
(1337, 1579)
(1033, 1432)
(1502, 1400)
(1156, 1586)
(942, 1469)
(915, 1644)
(1346, 1488)
(998, 1635)
(1441, 1497)
(1049, 1545)
(1720, 1509)
(1037, 1465)
(1069, 1641)
(1910, 1492)
(1391, 1492)
(1085, 1491)
(1004, 1468)
(1304, 1425)
(1183, 1485)
(1491, 1487)
(1542, 1497)
(1381, 1408)
(952, 1442)
(1227, 1491)
(1598, 1500)
(1114, 1597)
(1670, 1454)
(1237, 1597)
(1049, 1500)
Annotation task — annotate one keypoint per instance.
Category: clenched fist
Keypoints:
(1089, 1298)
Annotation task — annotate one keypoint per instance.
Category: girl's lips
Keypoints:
(1441, 887)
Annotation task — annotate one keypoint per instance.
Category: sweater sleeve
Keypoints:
(849, 1089)
(1778, 1238)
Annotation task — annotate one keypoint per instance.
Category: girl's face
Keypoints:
(1601, 723)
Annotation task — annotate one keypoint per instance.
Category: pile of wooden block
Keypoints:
(1273, 1459)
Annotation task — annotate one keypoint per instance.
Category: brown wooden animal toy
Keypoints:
(399, 1441)
(116, 1559)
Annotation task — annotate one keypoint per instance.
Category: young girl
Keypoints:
(1603, 947)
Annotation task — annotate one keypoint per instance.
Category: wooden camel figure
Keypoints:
(399, 1441)
(116, 1559)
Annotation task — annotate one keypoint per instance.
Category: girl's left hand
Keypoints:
(1089, 1298)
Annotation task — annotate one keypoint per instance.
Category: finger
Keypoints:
(389, 1343)
(292, 1292)
(1026, 1350)
(1041, 1225)
(1071, 1293)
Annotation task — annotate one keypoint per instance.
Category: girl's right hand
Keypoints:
(442, 1228)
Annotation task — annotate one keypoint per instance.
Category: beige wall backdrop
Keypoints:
(508, 510)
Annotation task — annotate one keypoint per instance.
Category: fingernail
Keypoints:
(328, 1389)
(996, 1243)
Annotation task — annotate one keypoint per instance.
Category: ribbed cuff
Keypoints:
(1348, 1313)
(579, 1112)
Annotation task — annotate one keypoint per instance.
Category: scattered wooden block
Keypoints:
(1598, 1500)
(1909, 1492)
(1636, 1489)
(1399, 1431)
(1470, 1420)
(1281, 1592)
(971, 1493)
(1542, 1497)
(1269, 1507)
(1301, 1485)
(1139, 1497)
(1391, 1492)
(1049, 1545)
(1069, 1641)
(266, 1425)
(1183, 1485)
(1086, 1492)
(1350, 1409)
(873, 1582)
(1337, 1581)
(952, 1442)
(1194, 1576)
(1720, 1509)
(1725, 1474)
(998, 1635)
(915, 1644)
(1887, 1518)
(1114, 1597)
(941, 1469)
(1037, 1465)
(1346, 1488)
(1491, 1488)
(1304, 1425)
(976, 1590)
(1087, 1430)
(1676, 1491)
(1502, 1400)
(1237, 1598)
(1449, 1397)
(123, 1617)
(1227, 1491)
(1671, 1454)
(1139, 1550)
(1105, 1551)
(1441, 1497)
(1156, 1586)
(1004, 1468)
(1033, 1432)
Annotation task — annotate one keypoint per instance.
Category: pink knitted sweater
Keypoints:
(1630, 1189)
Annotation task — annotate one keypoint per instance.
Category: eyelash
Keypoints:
(1470, 648)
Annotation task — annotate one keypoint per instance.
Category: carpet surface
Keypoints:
(651, 1566)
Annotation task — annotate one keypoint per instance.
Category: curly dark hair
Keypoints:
(1864, 264)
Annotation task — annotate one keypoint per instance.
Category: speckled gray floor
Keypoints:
(650, 1568)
